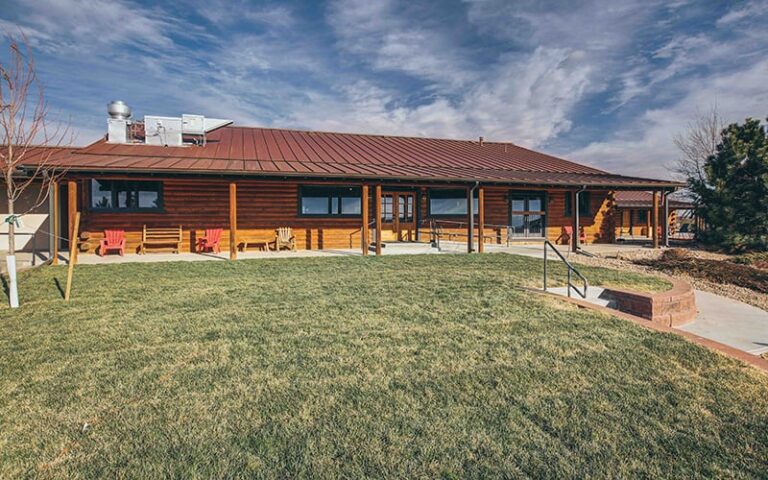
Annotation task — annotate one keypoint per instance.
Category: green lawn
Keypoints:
(409, 366)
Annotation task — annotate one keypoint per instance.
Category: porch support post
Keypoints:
(378, 219)
(665, 231)
(53, 217)
(233, 221)
(470, 220)
(480, 219)
(365, 233)
(575, 220)
(71, 209)
(655, 214)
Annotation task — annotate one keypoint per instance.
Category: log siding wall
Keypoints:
(264, 205)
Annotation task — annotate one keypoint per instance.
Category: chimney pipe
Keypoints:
(481, 141)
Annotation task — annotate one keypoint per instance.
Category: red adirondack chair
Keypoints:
(567, 234)
(211, 240)
(113, 240)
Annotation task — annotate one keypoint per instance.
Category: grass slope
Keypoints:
(411, 366)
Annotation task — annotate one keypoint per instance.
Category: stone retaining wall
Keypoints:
(672, 308)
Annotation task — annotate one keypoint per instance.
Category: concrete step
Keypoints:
(594, 295)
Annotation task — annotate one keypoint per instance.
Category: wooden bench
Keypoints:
(159, 237)
(260, 243)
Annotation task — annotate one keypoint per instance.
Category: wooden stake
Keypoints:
(233, 221)
(72, 255)
(365, 240)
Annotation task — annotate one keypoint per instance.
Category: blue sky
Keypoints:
(607, 83)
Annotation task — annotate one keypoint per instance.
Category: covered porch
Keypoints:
(332, 215)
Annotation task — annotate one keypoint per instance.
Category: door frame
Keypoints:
(527, 195)
(396, 225)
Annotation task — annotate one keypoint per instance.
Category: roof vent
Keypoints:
(119, 110)
(118, 122)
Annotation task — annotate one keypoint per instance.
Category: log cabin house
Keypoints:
(335, 190)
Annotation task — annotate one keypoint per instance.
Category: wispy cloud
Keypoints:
(606, 83)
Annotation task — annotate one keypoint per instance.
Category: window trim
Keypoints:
(333, 191)
(160, 197)
(451, 215)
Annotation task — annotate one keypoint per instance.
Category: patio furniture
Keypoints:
(113, 240)
(284, 238)
(567, 234)
(260, 243)
(211, 241)
(161, 237)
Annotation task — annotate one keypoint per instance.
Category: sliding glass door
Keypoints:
(527, 215)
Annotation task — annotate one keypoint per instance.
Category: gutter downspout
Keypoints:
(577, 227)
(471, 223)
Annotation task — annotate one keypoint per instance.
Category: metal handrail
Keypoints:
(571, 271)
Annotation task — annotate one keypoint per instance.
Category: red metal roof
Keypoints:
(634, 199)
(281, 152)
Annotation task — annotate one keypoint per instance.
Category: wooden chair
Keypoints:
(113, 240)
(284, 238)
(161, 237)
(211, 240)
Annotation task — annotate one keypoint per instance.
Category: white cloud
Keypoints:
(381, 35)
(644, 147)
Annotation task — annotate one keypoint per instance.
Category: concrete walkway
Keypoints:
(721, 319)
(730, 322)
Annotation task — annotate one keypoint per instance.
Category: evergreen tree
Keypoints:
(733, 197)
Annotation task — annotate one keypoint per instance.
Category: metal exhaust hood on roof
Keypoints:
(158, 130)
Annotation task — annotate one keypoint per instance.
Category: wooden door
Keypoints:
(398, 216)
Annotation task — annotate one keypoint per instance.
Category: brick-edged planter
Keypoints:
(672, 308)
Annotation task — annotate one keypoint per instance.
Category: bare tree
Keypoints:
(27, 138)
(697, 143)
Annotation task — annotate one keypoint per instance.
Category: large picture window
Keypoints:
(584, 204)
(126, 196)
(450, 202)
(330, 201)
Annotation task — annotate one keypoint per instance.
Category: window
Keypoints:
(126, 196)
(584, 203)
(642, 216)
(330, 201)
(526, 214)
(450, 202)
